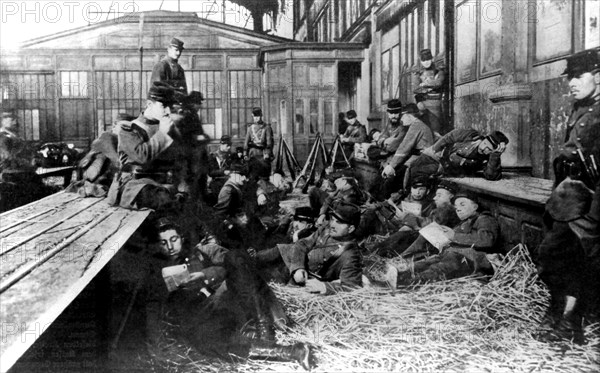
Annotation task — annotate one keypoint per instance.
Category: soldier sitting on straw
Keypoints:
(329, 254)
(219, 321)
(463, 254)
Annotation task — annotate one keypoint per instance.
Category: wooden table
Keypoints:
(49, 251)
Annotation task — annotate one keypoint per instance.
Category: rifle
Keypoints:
(311, 176)
(306, 165)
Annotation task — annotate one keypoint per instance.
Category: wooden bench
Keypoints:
(518, 203)
(66, 172)
(50, 250)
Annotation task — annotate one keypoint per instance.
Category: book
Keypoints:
(174, 276)
(434, 234)
(411, 207)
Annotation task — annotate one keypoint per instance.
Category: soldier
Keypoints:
(355, 133)
(463, 152)
(142, 179)
(329, 254)
(238, 319)
(469, 241)
(418, 137)
(431, 83)
(427, 115)
(218, 166)
(259, 138)
(569, 255)
(168, 69)
(231, 195)
(19, 184)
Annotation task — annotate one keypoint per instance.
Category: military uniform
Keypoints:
(259, 141)
(140, 144)
(431, 84)
(568, 258)
(460, 157)
(19, 184)
(328, 257)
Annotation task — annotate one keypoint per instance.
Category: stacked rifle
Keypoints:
(285, 154)
(319, 154)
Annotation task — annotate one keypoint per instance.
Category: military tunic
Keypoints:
(259, 140)
(169, 71)
(328, 257)
(355, 134)
(417, 138)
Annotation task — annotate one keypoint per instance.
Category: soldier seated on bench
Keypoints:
(218, 321)
(465, 254)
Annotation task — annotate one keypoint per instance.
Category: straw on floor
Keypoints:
(462, 325)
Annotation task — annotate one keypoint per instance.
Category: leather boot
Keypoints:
(299, 352)
(568, 327)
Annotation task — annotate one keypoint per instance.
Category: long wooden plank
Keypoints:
(30, 305)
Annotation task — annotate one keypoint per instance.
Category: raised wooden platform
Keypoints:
(66, 172)
(49, 251)
(518, 203)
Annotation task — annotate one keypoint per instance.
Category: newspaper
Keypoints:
(435, 235)
(174, 276)
(411, 207)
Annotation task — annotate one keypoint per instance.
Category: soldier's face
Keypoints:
(256, 119)
(418, 193)
(156, 110)
(225, 147)
(170, 243)
(442, 196)
(394, 118)
(465, 208)
(173, 52)
(485, 147)
(584, 85)
(426, 64)
(338, 229)
(351, 121)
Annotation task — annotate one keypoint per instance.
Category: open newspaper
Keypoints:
(174, 276)
(434, 234)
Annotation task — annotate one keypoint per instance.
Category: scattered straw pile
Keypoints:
(463, 325)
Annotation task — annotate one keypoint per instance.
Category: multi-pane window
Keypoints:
(244, 93)
(209, 83)
(74, 84)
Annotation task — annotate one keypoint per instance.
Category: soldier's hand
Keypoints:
(261, 200)
(501, 148)
(300, 276)
(388, 171)
(315, 286)
(430, 152)
(194, 276)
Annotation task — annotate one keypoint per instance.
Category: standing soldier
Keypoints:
(19, 184)
(431, 83)
(569, 255)
(259, 139)
(168, 69)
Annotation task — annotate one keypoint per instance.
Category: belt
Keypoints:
(256, 146)
(434, 96)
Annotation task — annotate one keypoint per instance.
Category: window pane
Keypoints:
(299, 116)
(491, 35)
(592, 28)
(314, 116)
(553, 29)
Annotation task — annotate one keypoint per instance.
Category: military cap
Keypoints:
(420, 97)
(584, 61)
(394, 106)
(257, 112)
(239, 149)
(496, 137)
(176, 43)
(466, 194)
(239, 168)
(195, 98)
(410, 109)
(373, 131)
(346, 212)
(162, 92)
(420, 181)
(450, 187)
(426, 55)
(351, 114)
(305, 213)
(226, 139)
(570, 200)
(164, 224)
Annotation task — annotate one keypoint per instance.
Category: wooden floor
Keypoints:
(49, 251)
